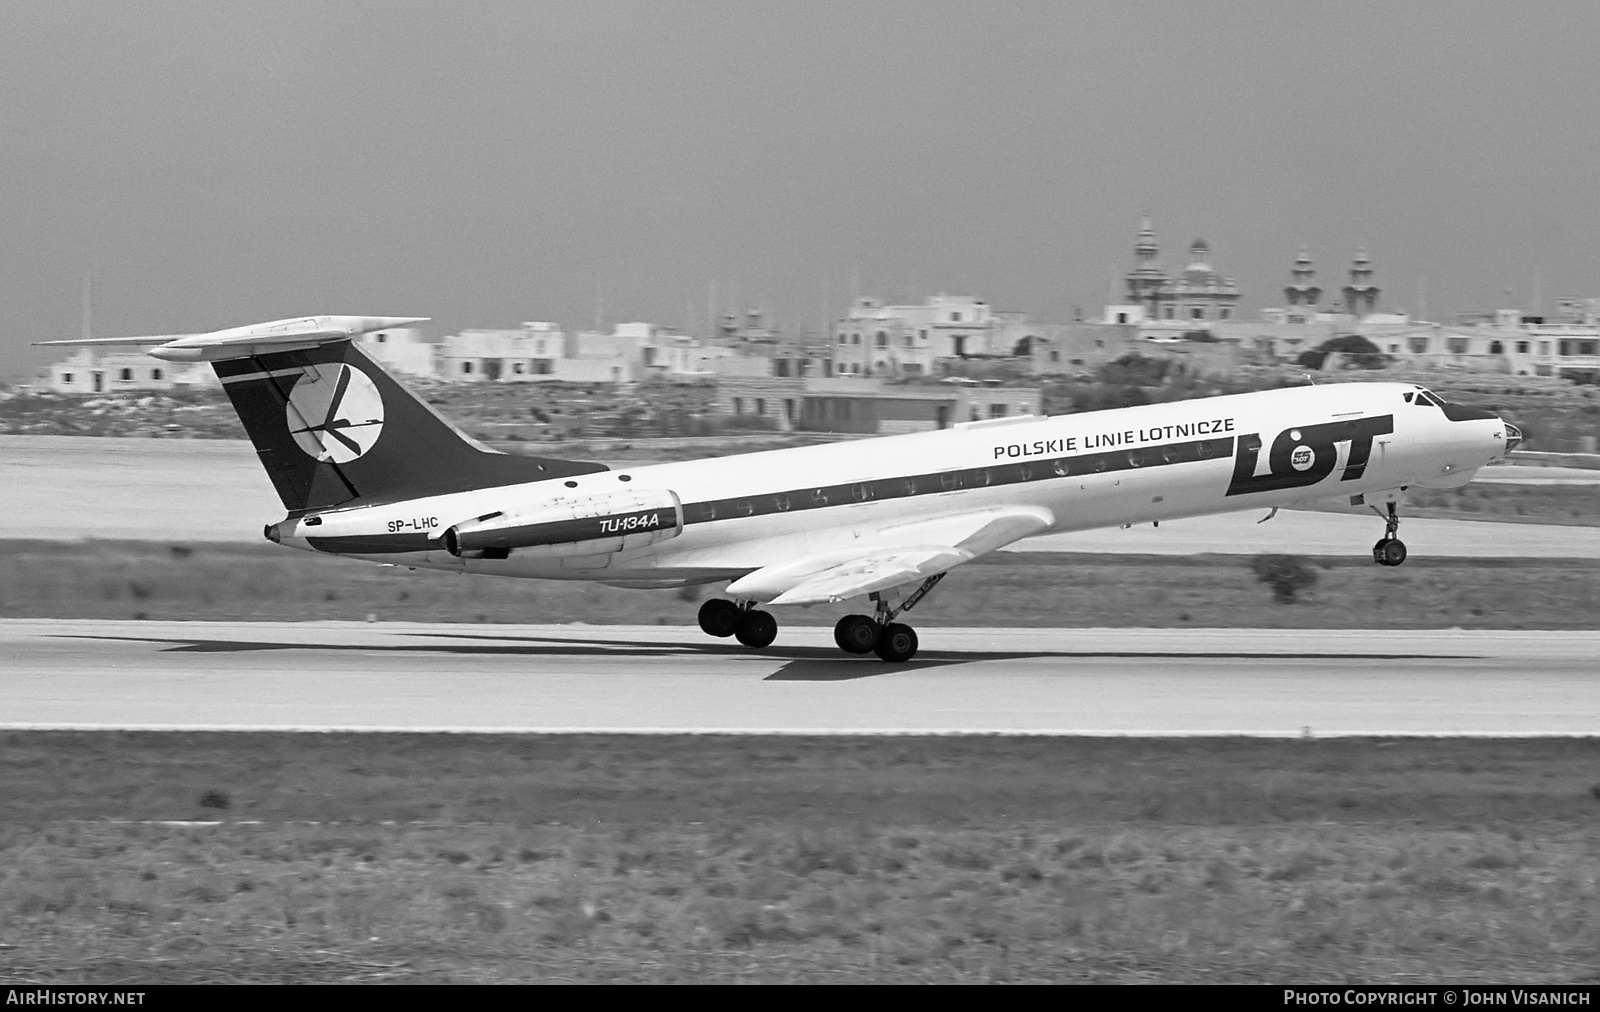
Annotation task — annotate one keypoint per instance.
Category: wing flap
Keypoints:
(872, 573)
(900, 554)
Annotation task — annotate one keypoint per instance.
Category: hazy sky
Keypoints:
(214, 164)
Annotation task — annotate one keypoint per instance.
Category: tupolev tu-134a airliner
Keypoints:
(368, 470)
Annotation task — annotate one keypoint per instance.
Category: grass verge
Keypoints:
(265, 582)
(681, 858)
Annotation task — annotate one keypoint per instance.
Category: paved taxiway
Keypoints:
(72, 487)
(312, 676)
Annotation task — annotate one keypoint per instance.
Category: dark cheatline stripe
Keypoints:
(563, 532)
(821, 497)
(374, 544)
(936, 482)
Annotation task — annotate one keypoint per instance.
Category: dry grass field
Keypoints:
(571, 858)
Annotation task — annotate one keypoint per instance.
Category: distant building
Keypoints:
(873, 339)
(632, 352)
(1197, 295)
(873, 407)
(1579, 312)
(1360, 294)
(524, 355)
(84, 372)
(402, 350)
(1301, 295)
(1301, 324)
(749, 397)
(1508, 342)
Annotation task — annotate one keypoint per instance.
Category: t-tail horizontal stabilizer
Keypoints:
(238, 342)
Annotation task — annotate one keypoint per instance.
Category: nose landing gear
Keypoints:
(1390, 550)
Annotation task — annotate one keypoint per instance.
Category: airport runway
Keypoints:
(196, 490)
(649, 679)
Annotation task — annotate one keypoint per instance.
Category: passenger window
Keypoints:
(1024, 472)
(1062, 468)
(1098, 465)
(1251, 443)
(744, 507)
(948, 480)
(910, 486)
(1169, 454)
(1135, 458)
(1204, 448)
(820, 497)
(708, 511)
(861, 492)
(782, 503)
(981, 477)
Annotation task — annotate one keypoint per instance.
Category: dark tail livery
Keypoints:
(333, 428)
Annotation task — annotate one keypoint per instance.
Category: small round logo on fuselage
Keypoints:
(335, 412)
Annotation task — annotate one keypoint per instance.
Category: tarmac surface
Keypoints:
(69, 488)
(651, 679)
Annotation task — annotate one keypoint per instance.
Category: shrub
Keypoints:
(1355, 352)
(1312, 358)
(1287, 575)
(1134, 370)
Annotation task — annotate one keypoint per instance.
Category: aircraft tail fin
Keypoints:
(331, 426)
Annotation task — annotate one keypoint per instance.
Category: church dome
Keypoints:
(1199, 273)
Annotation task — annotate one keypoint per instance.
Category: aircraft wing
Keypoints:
(902, 554)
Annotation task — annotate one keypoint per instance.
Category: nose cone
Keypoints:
(1513, 436)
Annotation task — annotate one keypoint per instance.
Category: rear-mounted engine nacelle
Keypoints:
(580, 525)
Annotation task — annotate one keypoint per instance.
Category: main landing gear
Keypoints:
(755, 629)
(855, 634)
(1390, 550)
(881, 634)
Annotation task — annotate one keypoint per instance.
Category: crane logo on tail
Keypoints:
(335, 412)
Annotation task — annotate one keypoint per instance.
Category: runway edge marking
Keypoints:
(1298, 733)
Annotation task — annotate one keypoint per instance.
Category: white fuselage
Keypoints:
(1080, 471)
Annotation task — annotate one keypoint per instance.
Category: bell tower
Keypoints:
(1303, 291)
(1361, 295)
(1146, 279)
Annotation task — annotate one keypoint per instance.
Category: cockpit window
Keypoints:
(1426, 399)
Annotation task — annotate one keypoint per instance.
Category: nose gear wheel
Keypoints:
(1390, 550)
